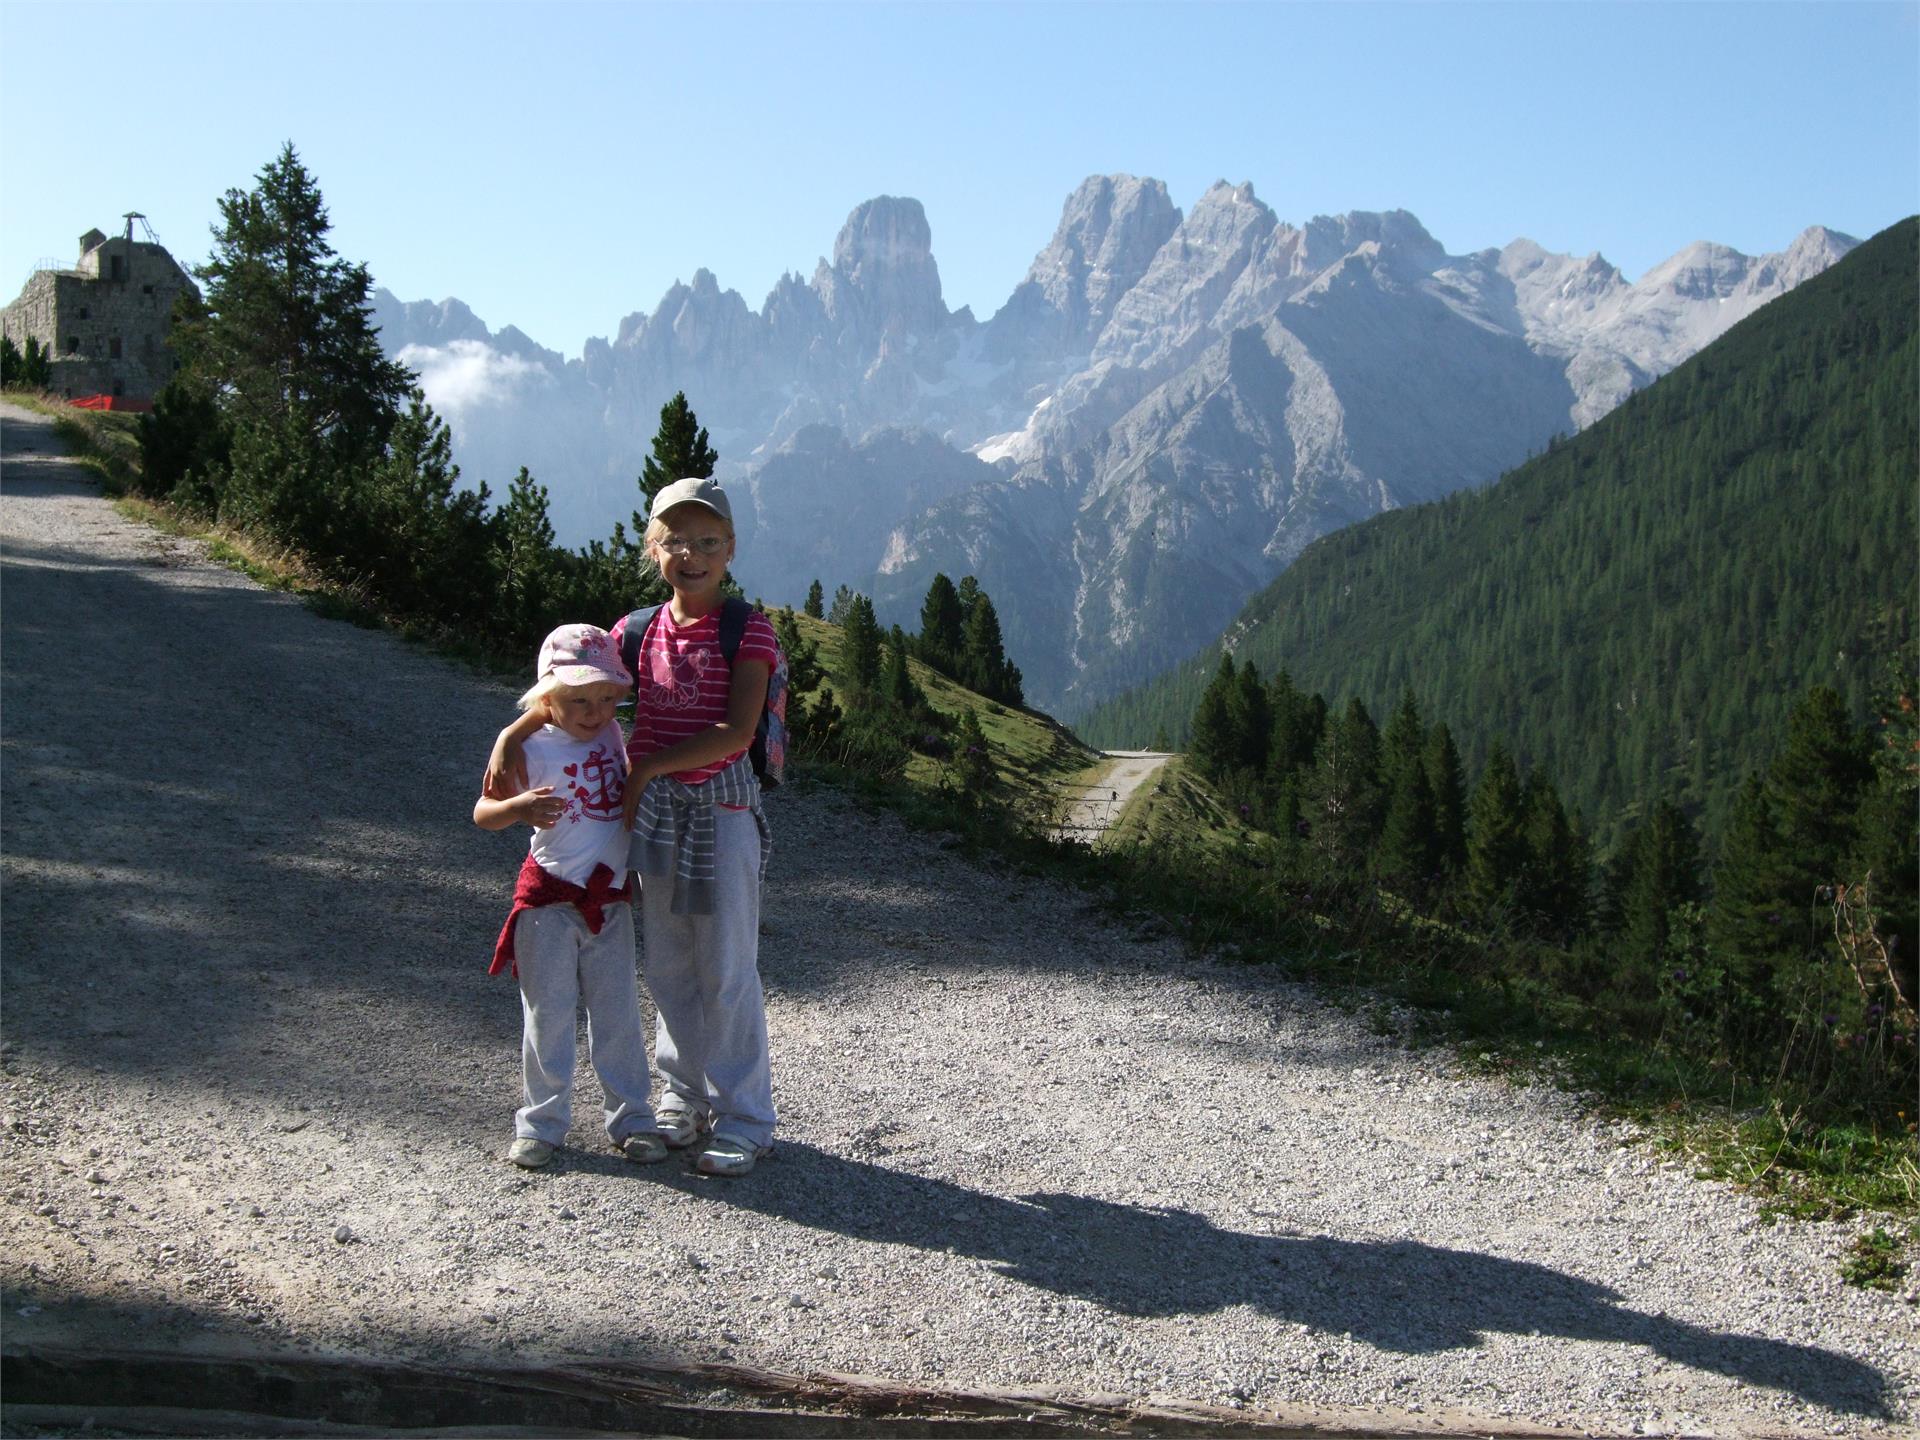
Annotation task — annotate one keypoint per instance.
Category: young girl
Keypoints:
(700, 838)
(569, 936)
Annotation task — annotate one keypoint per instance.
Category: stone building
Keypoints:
(104, 322)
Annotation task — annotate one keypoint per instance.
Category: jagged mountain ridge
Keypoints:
(1164, 413)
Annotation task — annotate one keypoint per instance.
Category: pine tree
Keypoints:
(1402, 742)
(1447, 778)
(1555, 877)
(523, 558)
(1496, 839)
(842, 602)
(1817, 782)
(816, 601)
(1345, 801)
(809, 713)
(285, 335)
(680, 452)
(984, 666)
(942, 627)
(1213, 744)
(1408, 856)
(1756, 923)
(36, 365)
(860, 645)
(1252, 722)
(972, 766)
(1661, 874)
(897, 687)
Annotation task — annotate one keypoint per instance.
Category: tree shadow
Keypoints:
(1396, 1295)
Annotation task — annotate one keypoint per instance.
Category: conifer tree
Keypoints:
(523, 557)
(1756, 923)
(816, 601)
(897, 687)
(1817, 782)
(284, 335)
(810, 714)
(1447, 778)
(972, 766)
(942, 627)
(1403, 741)
(983, 661)
(1661, 874)
(1496, 839)
(1345, 800)
(1252, 723)
(680, 452)
(1213, 743)
(1408, 856)
(860, 645)
(1556, 876)
(843, 596)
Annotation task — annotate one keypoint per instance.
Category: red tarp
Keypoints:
(110, 402)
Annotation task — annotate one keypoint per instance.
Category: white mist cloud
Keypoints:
(468, 374)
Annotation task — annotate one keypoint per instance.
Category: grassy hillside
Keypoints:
(1033, 754)
(1637, 609)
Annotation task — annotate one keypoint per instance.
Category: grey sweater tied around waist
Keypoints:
(673, 832)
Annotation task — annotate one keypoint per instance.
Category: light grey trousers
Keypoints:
(563, 965)
(704, 974)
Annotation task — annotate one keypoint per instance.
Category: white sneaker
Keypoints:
(529, 1153)
(729, 1157)
(681, 1128)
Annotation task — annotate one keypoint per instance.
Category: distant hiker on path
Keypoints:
(569, 937)
(700, 840)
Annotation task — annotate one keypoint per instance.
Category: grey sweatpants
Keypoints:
(563, 965)
(704, 974)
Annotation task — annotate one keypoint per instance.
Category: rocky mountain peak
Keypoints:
(883, 267)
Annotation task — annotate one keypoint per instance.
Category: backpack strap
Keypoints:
(633, 635)
(733, 625)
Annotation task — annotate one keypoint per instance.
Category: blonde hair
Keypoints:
(536, 698)
(548, 686)
(658, 529)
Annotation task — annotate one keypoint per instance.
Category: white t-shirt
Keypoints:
(590, 775)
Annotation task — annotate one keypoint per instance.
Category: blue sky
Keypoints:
(559, 166)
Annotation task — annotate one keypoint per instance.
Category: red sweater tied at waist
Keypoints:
(536, 887)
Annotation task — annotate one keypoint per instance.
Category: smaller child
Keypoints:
(569, 936)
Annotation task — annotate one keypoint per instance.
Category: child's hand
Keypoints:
(506, 770)
(630, 802)
(538, 807)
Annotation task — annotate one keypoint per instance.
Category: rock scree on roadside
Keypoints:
(256, 1085)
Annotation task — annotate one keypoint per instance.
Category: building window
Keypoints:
(119, 387)
(73, 344)
(85, 313)
(146, 289)
(119, 264)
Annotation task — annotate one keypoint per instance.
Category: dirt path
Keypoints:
(1098, 804)
(254, 1086)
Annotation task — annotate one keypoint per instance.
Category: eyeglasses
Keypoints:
(686, 545)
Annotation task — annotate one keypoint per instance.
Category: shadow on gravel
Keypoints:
(1397, 1295)
(197, 884)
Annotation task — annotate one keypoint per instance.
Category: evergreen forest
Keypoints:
(1636, 611)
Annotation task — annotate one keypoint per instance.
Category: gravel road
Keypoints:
(256, 1083)
(1096, 805)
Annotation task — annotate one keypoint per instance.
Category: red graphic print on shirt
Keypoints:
(593, 787)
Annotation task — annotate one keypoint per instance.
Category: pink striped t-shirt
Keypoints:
(685, 682)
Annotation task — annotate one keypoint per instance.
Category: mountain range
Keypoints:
(1164, 413)
(1636, 611)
